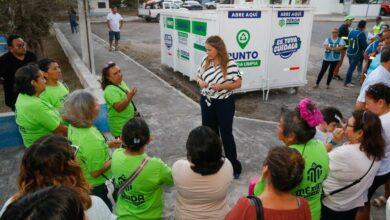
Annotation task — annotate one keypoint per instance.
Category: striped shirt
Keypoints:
(213, 75)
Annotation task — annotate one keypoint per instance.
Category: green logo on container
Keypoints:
(169, 22)
(243, 38)
(282, 22)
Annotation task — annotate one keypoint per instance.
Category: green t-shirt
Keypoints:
(143, 199)
(92, 152)
(55, 95)
(116, 120)
(35, 118)
(316, 169)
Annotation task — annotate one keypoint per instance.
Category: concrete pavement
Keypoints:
(170, 115)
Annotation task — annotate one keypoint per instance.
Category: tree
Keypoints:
(30, 18)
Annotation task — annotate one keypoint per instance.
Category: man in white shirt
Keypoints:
(114, 23)
(380, 74)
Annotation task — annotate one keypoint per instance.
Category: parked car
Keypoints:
(192, 5)
(210, 5)
(385, 9)
(151, 10)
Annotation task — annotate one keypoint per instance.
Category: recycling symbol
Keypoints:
(243, 38)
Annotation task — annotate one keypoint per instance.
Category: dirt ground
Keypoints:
(53, 50)
(141, 41)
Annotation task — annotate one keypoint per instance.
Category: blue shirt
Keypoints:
(357, 43)
(374, 64)
(372, 47)
(333, 55)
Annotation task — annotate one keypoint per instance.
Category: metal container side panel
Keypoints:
(188, 43)
(168, 44)
(244, 31)
(289, 46)
(202, 28)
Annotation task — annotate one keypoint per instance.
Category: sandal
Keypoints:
(380, 201)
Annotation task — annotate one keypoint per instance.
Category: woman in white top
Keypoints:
(358, 158)
(51, 161)
(202, 181)
(218, 76)
(378, 102)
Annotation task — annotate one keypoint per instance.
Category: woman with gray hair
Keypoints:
(80, 110)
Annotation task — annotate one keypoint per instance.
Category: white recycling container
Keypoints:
(271, 44)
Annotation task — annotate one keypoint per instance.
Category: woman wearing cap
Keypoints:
(343, 34)
(333, 46)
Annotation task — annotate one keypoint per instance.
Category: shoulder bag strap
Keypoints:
(125, 91)
(354, 182)
(134, 175)
(259, 206)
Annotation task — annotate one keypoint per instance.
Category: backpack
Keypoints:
(353, 39)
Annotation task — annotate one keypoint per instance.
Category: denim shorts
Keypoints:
(114, 34)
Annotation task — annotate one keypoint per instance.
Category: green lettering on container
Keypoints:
(169, 22)
(183, 25)
(200, 47)
(199, 28)
(248, 63)
(182, 34)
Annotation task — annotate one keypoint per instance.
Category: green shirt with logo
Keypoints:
(55, 95)
(143, 198)
(116, 120)
(316, 169)
(92, 152)
(35, 118)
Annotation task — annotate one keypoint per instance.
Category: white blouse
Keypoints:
(213, 75)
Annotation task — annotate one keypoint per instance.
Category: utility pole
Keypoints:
(86, 40)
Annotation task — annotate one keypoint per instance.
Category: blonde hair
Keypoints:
(217, 43)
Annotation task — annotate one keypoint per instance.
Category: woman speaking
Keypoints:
(217, 77)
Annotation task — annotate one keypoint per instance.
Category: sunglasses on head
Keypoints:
(109, 65)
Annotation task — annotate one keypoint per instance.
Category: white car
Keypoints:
(210, 5)
(192, 5)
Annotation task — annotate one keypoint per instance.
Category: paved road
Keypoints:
(171, 116)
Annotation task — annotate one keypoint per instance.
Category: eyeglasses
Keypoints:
(23, 45)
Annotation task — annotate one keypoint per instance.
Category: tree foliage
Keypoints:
(30, 18)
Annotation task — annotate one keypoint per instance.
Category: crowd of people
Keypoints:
(327, 168)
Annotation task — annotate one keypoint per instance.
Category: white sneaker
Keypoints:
(350, 85)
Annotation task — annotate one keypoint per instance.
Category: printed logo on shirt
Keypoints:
(314, 173)
(135, 199)
(286, 46)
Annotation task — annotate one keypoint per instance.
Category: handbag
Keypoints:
(254, 200)
(351, 184)
(136, 112)
(115, 191)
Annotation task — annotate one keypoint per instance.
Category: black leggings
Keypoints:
(325, 65)
(219, 117)
(329, 214)
(101, 191)
(378, 181)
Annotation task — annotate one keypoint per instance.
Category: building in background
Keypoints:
(99, 7)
